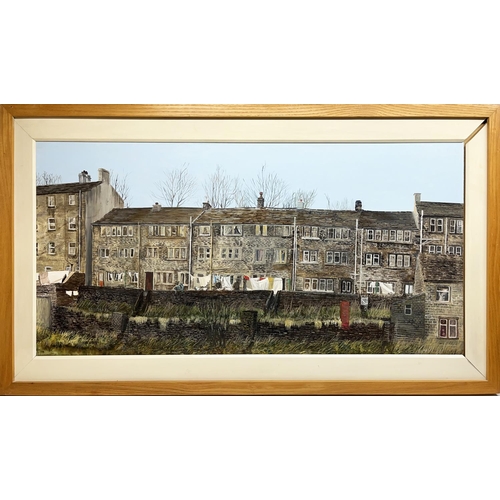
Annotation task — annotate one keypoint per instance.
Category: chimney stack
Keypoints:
(260, 201)
(104, 175)
(358, 206)
(206, 205)
(156, 207)
(300, 204)
(417, 197)
(83, 177)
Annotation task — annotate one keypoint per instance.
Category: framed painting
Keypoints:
(440, 285)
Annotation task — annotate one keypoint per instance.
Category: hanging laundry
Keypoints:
(277, 285)
(226, 283)
(259, 283)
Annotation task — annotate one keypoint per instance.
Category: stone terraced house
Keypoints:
(64, 217)
(341, 251)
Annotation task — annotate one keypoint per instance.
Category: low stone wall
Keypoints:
(256, 300)
(287, 301)
(70, 320)
(97, 294)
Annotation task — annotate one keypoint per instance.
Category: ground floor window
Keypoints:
(345, 286)
(448, 328)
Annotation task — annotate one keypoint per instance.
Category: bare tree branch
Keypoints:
(176, 187)
(344, 204)
(273, 188)
(220, 188)
(305, 197)
(121, 186)
(45, 178)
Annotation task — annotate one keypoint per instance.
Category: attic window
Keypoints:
(443, 294)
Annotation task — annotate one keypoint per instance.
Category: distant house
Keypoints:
(64, 217)
(440, 279)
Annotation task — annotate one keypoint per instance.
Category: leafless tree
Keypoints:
(273, 188)
(344, 204)
(221, 189)
(45, 178)
(121, 185)
(176, 187)
(306, 197)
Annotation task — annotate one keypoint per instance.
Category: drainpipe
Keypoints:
(421, 229)
(211, 253)
(360, 262)
(139, 257)
(294, 262)
(445, 222)
(80, 235)
(191, 222)
(355, 252)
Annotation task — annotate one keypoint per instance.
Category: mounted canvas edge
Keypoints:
(26, 363)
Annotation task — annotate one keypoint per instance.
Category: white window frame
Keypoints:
(449, 324)
(71, 223)
(203, 253)
(232, 229)
(280, 256)
(71, 248)
(71, 199)
(443, 293)
(104, 253)
(51, 201)
(408, 310)
(51, 248)
(51, 226)
(345, 286)
(151, 252)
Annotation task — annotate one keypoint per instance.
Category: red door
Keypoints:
(149, 281)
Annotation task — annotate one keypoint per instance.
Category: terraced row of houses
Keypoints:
(362, 252)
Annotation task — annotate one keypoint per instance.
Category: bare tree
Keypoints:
(221, 189)
(45, 178)
(273, 188)
(305, 197)
(121, 186)
(176, 187)
(344, 204)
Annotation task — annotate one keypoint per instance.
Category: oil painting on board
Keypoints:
(234, 248)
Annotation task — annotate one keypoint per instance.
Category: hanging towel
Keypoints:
(226, 283)
(277, 285)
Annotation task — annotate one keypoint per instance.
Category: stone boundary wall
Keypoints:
(289, 300)
(97, 294)
(258, 299)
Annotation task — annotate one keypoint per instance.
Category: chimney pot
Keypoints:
(156, 207)
(358, 206)
(260, 200)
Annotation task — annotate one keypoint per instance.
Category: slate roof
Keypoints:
(69, 188)
(442, 268)
(442, 209)
(167, 215)
(270, 216)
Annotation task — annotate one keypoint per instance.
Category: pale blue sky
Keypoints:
(383, 176)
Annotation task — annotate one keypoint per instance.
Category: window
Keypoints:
(36, 248)
(392, 235)
(176, 253)
(280, 256)
(372, 259)
(311, 284)
(151, 252)
(408, 289)
(436, 225)
(336, 257)
(123, 252)
(113, 231)
(456, 226)
(407, 236)
(51, 201)
(385, 235)
(165, 278)
(71, 248)
(203, 253)
(134, 277)
(378, 235)
(51, 248)
(345, 286)
(399, 235)
(310, 232)
(455, 250)
(48, 268)
(408, 309)
(184, 278)
(370, 234)
(72, 223)
(310, 256)
(130, 231)
(399, 260)
(448, 328)
(71, 199)
(233, 230)
(443, 293)
(261, 230)
(432, 248)
(230, 253)
(259, 255)
(439, 249)
(288, 230)
(204, 230)
(119, 231)
(104, 253)
(51, 224)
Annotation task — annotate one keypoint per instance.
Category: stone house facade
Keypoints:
(64, 217)
(339, 251)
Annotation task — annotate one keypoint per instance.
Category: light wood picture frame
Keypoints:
(477, 372)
